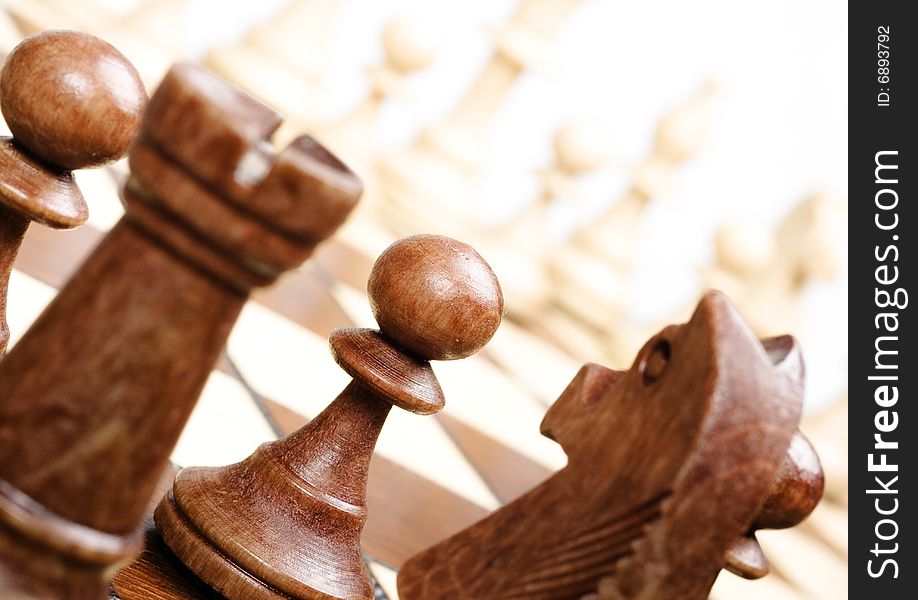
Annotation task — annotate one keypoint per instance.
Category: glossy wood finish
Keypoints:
(133, 336)
(286, 522)
(12, 229)
(38, 191)
(670, 466)
(71, 101)
(156, 573)
(71, 98)
(406, 513)
(426, 272)
(301, 296)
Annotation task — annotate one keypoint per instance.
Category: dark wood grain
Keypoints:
(301, 295)
(158, 575)
(406, 513)
(670, 466)
(287, 521)
(418, 274)
(133, 336)
(12, 229)
(71, 101)
(71, 98)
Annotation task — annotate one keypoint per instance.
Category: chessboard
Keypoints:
(430, 477)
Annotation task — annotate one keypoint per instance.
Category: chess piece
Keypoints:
(409, 45)
(768, 271)
(520, 44)
(132, 29)
(679, 136)
(597, 262)
(523, 257)
(71, 101)
(579, 149)
(286, 522)
(582, 282)
(211, 212)
(828, 430)
(672, 465)
(283, 61)
(429, 184)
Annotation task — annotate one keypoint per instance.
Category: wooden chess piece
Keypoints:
(581, 284)
(672, 465)
(134, 30)
(828, 430)
(768, 271)
(429, 184)
(410, 45)
(71, 101)
(679, 136)
(283, 60)
(211, 212)
(579, 149)
(521, 249)
(286, 522)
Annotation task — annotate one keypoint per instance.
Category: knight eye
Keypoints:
(655, 362)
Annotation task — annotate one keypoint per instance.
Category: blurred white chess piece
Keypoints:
(680, 135)
(765, 273)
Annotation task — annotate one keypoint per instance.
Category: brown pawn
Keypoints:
(72, 101)
(286, 522)
(95, 395)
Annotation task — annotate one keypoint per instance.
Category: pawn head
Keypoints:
(580, 147)
(435, 297)
(71, 99)
(745, 248)
(409, 43)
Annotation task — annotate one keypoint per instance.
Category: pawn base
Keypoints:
(256, 531)
(205, 560)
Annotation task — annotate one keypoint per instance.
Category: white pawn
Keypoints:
(580, 147)
(428, 185)
(409, 45)
(743, 252)
(766, 272)
(578, 150)
(679, 135)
